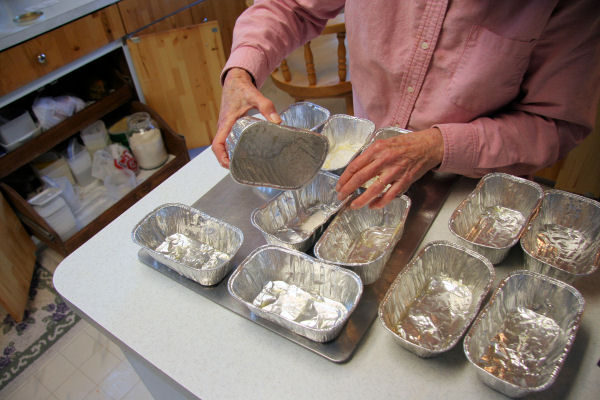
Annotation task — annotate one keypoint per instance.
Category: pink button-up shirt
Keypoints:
(513, 85)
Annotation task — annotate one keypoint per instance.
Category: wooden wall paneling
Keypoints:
(179, 74)
(19, 65)
(17, 261)
(226, 13)
(139, 13)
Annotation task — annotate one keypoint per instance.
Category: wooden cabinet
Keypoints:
(174, 143)
(17, 260)
(160, 15)
(39, 56)
(178, 49)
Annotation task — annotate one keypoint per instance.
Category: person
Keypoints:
(484, 86)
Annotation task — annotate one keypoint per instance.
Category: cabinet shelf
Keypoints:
(62, 131)
(174, 143)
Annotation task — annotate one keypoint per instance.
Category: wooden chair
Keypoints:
(314, 71)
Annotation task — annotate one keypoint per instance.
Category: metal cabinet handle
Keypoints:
(41, 58)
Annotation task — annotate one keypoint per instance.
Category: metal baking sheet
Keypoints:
(233, 203)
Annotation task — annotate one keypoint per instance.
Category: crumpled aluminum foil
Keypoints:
(190, 242)
(432, 301)
(303, 276)
(363, 240)
(298, 305)
(563, 240)
(521, 347)
(294, 219)
(493, 217)
(520, 340)
(439, 312)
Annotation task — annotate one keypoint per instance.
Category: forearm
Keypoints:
(269, 30)
(515, 142)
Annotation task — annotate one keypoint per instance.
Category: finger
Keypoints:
(379, 185)
(218, 144)
(396, 189)
(267, 108)
(355, 165)
(359, 178)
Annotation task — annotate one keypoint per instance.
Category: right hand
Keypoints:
(239, 95)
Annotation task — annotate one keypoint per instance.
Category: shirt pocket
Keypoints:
(489, 73)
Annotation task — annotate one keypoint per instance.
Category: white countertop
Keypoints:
(216, 354)
(56, 13)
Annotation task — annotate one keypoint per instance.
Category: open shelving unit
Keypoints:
(122, 97)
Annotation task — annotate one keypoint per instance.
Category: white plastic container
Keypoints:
(94, 201)
(56, 169)
(67, 191)
(80, 163)
(53, 208)
(119, 183)
(17, 128)
(95, 137)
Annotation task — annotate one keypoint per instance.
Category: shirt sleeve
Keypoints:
(271, 29)
(555, 111)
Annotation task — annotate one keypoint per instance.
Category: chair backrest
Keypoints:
(319, 68)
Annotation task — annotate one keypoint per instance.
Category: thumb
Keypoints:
(267, 108)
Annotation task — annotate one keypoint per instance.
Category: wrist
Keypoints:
(239, 74)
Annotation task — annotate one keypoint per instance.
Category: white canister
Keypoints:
(53, 208)
(145, 141)
(95, 137)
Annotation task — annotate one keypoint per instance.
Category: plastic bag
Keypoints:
(116, 156)
(49, 111)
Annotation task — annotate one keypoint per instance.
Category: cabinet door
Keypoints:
(179, 73)
(41, 55)
(17, 259)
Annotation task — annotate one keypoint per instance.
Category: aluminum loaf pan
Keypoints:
(273, 263)
(493, 217)
(295, 218)
(347, 136)
(530, 324)
(190, 242)
(431, 303)
(305, 115)
(262, 153)
(563, 239)
(363, 240)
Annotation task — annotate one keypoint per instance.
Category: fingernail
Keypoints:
(275, 117)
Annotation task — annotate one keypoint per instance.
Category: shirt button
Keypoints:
(424, 45)
(410, 89)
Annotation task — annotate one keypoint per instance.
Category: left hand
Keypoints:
(398, 161)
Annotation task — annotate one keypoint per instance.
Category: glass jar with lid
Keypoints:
(145, 141)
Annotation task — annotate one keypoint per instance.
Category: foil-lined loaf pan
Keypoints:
(296, 291)
(296, 218)
(190, 242)
(520, 340)
(262, 153)
(563, 239)
(433, 300)
(305, 115)
(347, 136)
(495, 214)
(363, 240)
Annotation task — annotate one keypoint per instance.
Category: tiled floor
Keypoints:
(86, 365)
(83, 364)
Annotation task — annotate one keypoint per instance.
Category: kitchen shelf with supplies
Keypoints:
(121, 98)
